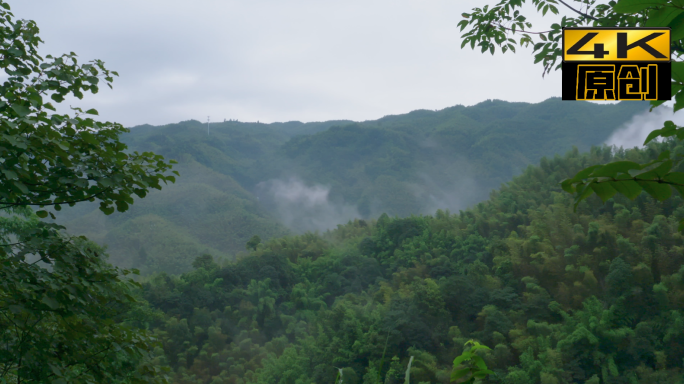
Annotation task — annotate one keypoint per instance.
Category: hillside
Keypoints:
(241, 179)
(593, 296)
(203, 212)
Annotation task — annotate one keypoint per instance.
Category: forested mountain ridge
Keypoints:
(207, 212)
(418, 162)
(241, 179)
(561, 297)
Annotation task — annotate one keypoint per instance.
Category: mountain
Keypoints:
(426, 160)
(203, 212)
(241, 179)
(592, 296)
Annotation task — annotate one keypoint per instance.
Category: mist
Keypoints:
(633, 133)
(458, 191)
(449, 183)
(304, 208)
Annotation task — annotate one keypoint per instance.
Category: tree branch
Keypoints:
(583, 14)
(659, 181)
(9, 245)
(8, 204)
(520, 30)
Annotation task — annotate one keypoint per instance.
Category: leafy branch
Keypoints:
(657, 178)
(469, 366)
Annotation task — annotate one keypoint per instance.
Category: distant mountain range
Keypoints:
(242, 179)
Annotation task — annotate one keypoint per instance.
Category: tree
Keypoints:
(495, 26)
(205, 261)
(263, 299)
(62, 307)
(253, 243)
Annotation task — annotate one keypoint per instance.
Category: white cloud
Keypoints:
(634, 133)
(302, 207)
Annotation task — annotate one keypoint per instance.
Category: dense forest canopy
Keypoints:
(561, 297)
(242, 179)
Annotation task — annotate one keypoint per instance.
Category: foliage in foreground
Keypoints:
(65, 314)
(593, 296)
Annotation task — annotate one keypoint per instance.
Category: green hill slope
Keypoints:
(242, 179)
(203, 212)
(449, 158)
(560, 297)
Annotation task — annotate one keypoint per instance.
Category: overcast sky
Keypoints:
(268, 60)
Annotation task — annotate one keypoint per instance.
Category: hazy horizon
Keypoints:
(269, 61)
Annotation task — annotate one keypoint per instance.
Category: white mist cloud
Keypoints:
(633, 133)
(302, 207)
(457, 192)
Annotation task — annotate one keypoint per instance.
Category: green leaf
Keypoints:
(92, 111)
(567, 186)
(662, 16)
(612, 169)
(604, 190)
(22, 187)
(42, 214)
(669, 129)
(479, 362)
(679, 189)
(657, 172)
(478, 346)
(657, 190)
(675, 177)
(586, 172)
(104, 207)
(121, 206)
(582, 194)
(677, 28)
(676, 87)
(460, 359)
(20, 110)
(663, 132)
(10, 174)
(678, 71)
(482, 374)
(679, 101)
(459, 373)
(89, 138)
(628, 188)
(50, 302)
(634, 6)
